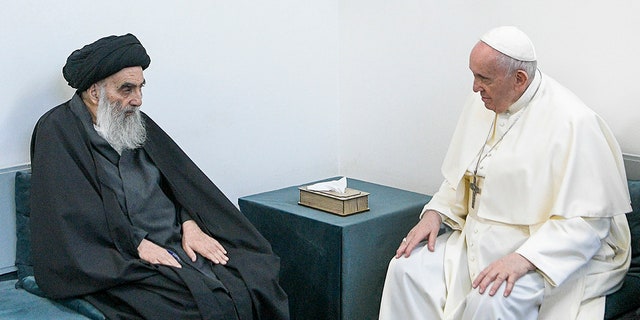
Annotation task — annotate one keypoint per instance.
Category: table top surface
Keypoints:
(383, 200)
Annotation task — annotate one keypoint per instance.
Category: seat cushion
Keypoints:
(626, 299)
(634, 224)
(24, 264)
(23, 232)
(20, 304)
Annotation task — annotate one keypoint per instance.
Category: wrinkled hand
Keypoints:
(427, 228)
(508, 268)
(195, 241)
(155, 254)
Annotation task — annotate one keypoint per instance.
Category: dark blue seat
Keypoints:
(21, 298)
(624, 303)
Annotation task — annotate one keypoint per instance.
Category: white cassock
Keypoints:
(554, 190)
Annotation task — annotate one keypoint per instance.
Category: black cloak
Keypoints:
(83, 245)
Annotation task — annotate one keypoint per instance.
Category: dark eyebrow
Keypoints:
(129, 85)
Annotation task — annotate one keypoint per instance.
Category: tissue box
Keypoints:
(343, 204)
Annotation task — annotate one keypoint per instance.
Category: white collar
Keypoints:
(527, 96)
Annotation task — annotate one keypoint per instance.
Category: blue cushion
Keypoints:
(19, 304)
(634, 224)
(23, 232)
(626, 299)
(24, 264)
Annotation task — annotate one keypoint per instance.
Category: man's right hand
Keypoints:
(427, 228)
(155, 254)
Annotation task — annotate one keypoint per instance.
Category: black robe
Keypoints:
(83, 245)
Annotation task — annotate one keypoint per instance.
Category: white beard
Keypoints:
(122, 127)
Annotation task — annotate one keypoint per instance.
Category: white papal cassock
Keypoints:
(554, 190)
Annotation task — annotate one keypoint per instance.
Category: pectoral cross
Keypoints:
(475, 190)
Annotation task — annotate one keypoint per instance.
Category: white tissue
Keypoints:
(335, 185)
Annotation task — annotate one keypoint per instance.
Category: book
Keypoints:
(343, 204)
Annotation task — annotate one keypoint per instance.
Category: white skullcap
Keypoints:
(512, 42)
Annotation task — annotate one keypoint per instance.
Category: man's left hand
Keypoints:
(195, 241)
(508, 268)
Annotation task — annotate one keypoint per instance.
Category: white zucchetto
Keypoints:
(512, 42)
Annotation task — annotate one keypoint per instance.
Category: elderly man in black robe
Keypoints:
(122, 217)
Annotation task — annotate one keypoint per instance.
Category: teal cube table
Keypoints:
(333, 267)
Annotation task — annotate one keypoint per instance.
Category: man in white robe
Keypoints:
(535, 193)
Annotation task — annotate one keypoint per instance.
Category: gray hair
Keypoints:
(511, 65)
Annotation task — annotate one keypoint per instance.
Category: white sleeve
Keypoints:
(562, 246)
(451, 205)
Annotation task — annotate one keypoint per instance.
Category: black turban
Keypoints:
(103, 58)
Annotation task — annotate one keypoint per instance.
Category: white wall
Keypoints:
(267, 94)
(404, 66)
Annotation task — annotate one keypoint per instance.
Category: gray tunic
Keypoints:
(138, 185)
